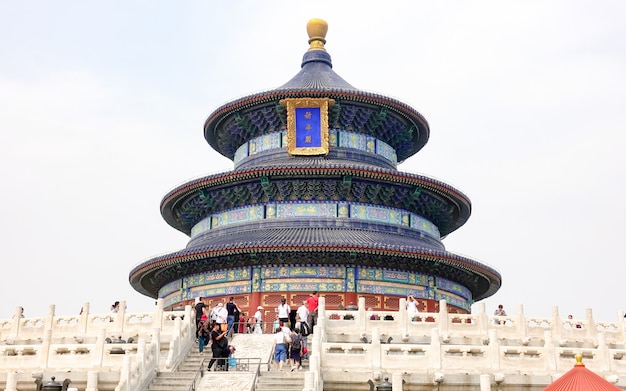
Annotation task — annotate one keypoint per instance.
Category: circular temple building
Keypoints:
(315, 203)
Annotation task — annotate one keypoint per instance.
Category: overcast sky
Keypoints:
(102, 106)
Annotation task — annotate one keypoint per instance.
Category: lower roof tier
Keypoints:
(304, 245)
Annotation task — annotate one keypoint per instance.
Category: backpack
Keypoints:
(305, 329)
(296, 342)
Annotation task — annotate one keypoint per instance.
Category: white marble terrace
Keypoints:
(76, 347)
(476, 350)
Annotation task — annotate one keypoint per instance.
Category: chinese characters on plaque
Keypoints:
(308, 127)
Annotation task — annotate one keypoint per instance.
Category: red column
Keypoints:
(351, 297)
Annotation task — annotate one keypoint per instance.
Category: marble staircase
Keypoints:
(182, 378)
(284, 380)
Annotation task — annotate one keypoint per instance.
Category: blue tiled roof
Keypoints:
(317, 74)
(311, 232)
(454, 208)
(305, 244)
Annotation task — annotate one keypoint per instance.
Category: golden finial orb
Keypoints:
(317, 29)
(579, 359)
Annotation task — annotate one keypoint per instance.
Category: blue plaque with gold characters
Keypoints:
(307, 125)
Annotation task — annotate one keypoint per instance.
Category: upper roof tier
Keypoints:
(386, 119)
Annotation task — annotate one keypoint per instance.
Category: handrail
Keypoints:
(243, 365)
(199, 374)
(256, 376)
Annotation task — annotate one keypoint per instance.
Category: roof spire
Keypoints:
(317, 29)
(579, 359)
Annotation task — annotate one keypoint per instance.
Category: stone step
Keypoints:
(275, 386)
(174, 375)
(284, 380)
(286, 376)
(169, 383)
(181, 379)
(163, 380)
(191, 367)
(182, 387)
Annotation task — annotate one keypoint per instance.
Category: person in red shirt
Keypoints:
(312, 302)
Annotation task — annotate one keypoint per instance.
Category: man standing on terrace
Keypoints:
(232, 308)
(312, 302)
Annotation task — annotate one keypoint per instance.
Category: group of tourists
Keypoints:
(290, 343)
(213, 329)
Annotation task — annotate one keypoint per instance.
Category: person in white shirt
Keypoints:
(213, 314)
(258, 318)
(283, 310)
(411, 307)
(280, 348)
(222, 316)
(302, 314)
(286, 330)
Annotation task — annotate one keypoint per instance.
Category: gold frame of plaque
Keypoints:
(307, 125)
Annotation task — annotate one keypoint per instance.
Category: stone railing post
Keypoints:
(402, 315)
(603, 353)
(156, 339)
(121, 316)
(557, 324)
(16, 322)
(590, 324)
(316, 372)
(315, 359)
(396, 381)
(178, 326)
(125, 375)
(11, 383)
(84, 318)
(190, 326)
(141, 356)
(173, 355)
(482, 319)
(522, 322)
(549, 351)
(620, 326)
(92, 380)
(362, 318)
(98, 350)
(494, 349)
(44, 350)
(435, 348)
(321, 313)
(309, 382)
(157, 319)
(376, 350)
(485, 382)
(443, 318)
(316, 349)
(48, 322)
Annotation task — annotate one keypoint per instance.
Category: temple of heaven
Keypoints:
(315, 202)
